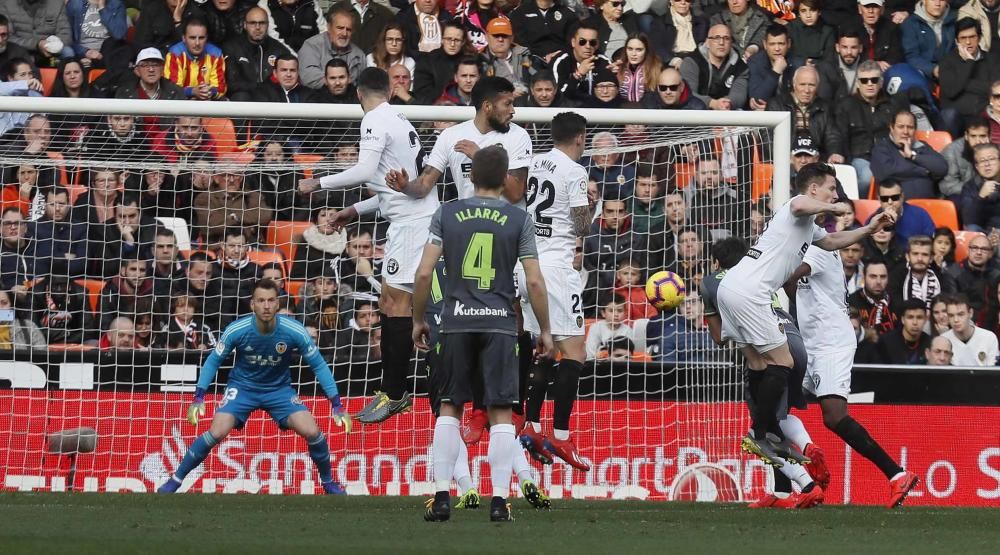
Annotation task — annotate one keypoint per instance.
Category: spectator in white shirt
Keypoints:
(972, 345)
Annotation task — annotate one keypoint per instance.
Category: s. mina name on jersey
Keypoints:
(462, 310)
(482, 214)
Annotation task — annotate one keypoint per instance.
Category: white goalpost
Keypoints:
(660, 411)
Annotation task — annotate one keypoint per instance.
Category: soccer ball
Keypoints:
(665, 290)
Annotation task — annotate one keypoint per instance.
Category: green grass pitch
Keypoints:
(206, 524)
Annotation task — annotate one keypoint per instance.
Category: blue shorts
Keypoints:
(280, 404)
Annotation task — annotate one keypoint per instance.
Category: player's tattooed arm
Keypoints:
(515, 184)
(581, 217)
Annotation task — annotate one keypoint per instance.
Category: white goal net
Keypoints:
(133, 231)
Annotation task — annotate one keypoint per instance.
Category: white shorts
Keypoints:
(404, 247)
(829, 373)
(565, 293)
(747, 321)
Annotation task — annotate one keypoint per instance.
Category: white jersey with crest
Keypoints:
(556, 184)
(775, 256)
(389, 134)
(821, 304)
(515, 141)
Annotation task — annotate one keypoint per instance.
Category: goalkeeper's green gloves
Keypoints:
(197, 408)
(340, 416)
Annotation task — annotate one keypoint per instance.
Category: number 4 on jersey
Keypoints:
(477, 264)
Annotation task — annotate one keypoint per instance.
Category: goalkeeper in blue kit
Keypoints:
(265, 344)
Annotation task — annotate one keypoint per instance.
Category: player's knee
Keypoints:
(832, 417)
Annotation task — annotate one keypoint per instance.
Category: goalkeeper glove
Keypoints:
(197, 408)
(340, 416)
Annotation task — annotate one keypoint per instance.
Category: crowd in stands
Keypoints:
(901, 96)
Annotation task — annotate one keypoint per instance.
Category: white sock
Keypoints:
(462, 475)
(896, 477)
(445, 447)
(521, 466)
(795, 431)
(561, 435)
(503, 445)
(796, 473)
(537, 426)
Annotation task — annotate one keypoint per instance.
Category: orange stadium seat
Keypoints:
(942, 211)
(69, 347)
(307, 161)
(863, 209)
(223, 132)
(283, 235)
(48, 78)
(683, 174)
(962, 240)
(294, 288)
(94, 74)
(763, 177)
(94, 288)
(263, 258)
(935, 139)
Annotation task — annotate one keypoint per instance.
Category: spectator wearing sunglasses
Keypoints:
(900, 156)
(575, 70)
(672, 93)
(911, 220)
(715, 73)
(864, 117)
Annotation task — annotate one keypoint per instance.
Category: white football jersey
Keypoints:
(821, 304)
(390, 134)
(515, 141)
(775, 256)
(555, 185)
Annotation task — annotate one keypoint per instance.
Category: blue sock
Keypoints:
(198, 452)
(319, 450)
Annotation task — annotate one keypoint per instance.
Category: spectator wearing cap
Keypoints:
(149, 82)
(746, 24)
(716, 210)
(811, 115)
(880, 35)
(966, 73)
(543, 27)
(370, 18)
(251, 56)
(196, 65)
(604, 95)
(864, 118)
(501, 58)
(105, 20)
(335, 43)
(575, 70)
(459, 92)
(716, 73)
(40, 27)
(772, 69)
(912, 163)
(804, 152)
(435, 70)
(672, 93)
(927, 35)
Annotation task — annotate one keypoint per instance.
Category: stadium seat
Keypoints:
(180, 229)
(763, 177)
(263, 258)
(935, 139)
(873, 189)
(75, 190)
(94, 288)
(283, 235)
(641, 356)
(294, 288)
(942, 211)
(94, 74)
(863, 209)
(222, 132)
(48, 78)
(962, 240)
(848, 178)
(683, 174)
(307, 161)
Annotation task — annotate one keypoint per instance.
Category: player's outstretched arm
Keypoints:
(840, 239)
(422, 291)
(539, 298)
(803, 205)
(360, 173)
(208, 371)
(420, 187)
